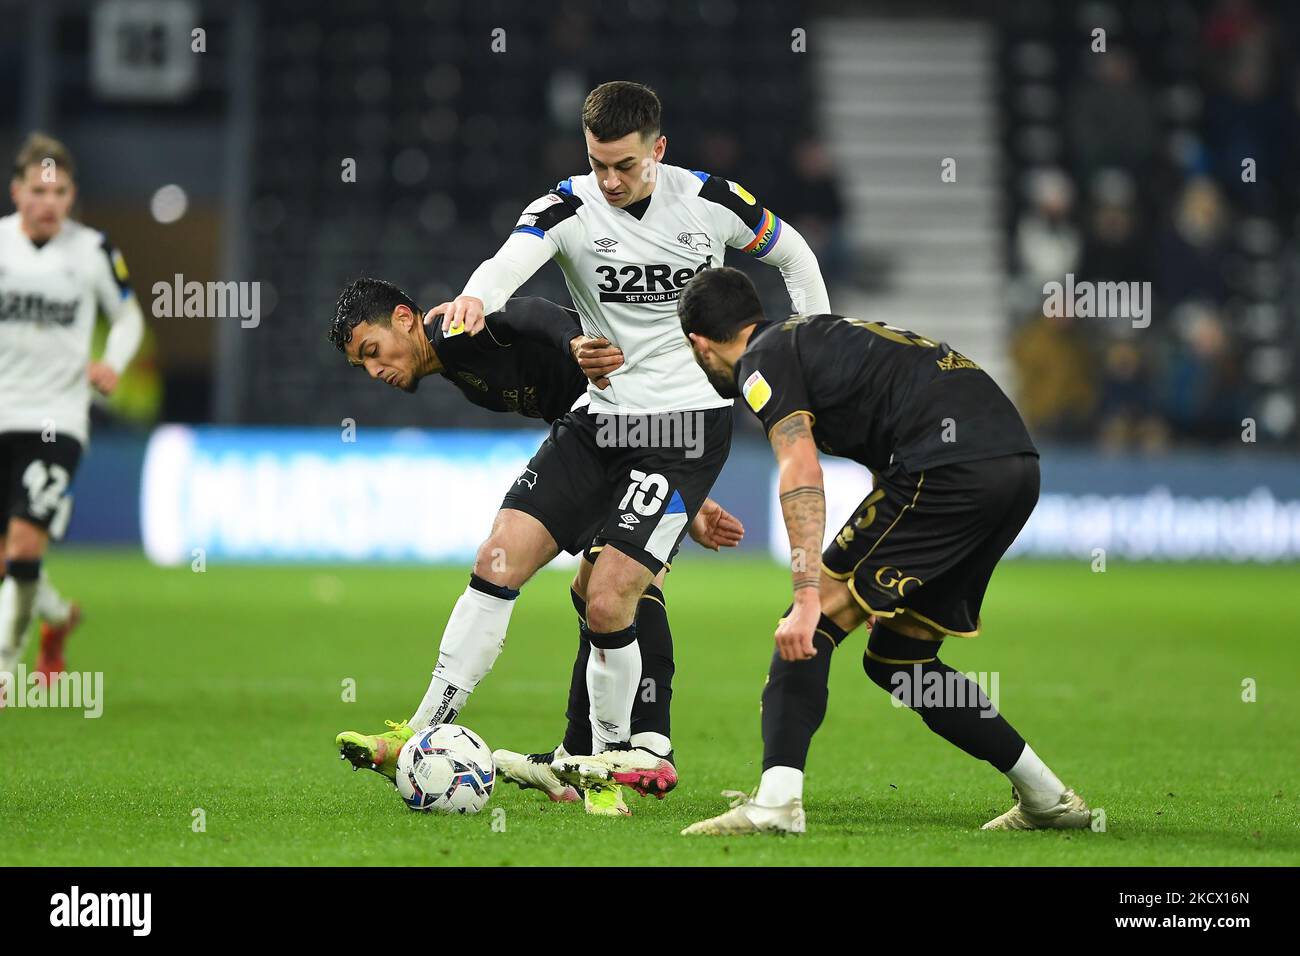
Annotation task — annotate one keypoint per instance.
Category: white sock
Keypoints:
(50, 605)
(16, 600)
(778, 786)
(1034, 781)
(655, 743)
(474, 636)
(613, 678)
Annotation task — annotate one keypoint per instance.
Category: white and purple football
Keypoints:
(447, 769)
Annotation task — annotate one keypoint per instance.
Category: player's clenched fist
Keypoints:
(794, 635)
(464, 310)
(103, 377)
(596, 357)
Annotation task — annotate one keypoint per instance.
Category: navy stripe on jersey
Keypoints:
(549, 211)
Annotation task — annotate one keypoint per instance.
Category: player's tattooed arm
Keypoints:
(803, 499)
(804, 509)
(803, 505)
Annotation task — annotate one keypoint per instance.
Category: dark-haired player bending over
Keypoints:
(523, 361)
(956, 479)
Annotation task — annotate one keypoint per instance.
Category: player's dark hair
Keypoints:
(718, 303)
(612, 110)
(366, 300)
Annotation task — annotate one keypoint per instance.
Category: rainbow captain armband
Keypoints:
(765, 235)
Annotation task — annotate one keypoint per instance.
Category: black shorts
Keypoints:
(35, 476)
(924, 545)
(597, 481)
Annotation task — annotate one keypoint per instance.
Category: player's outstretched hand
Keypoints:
(102, 376)
(794, 635)
(714, 527)
(466, 310)
(596, 357)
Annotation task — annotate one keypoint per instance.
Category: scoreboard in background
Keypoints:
(144, 50)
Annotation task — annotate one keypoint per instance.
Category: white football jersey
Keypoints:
(48, 301)
(625, 274)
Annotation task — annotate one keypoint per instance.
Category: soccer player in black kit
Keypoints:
(526, 360)
(956, 478)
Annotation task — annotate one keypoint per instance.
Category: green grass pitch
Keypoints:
(223, 692)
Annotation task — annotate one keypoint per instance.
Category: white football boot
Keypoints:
(645, 772)
(533, 771)
(1069, 813)
(746, 816)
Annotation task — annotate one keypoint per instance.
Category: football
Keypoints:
(447, 769)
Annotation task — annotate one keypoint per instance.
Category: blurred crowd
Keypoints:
(1170, 159)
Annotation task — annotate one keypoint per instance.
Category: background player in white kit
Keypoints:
(628, 236)
(55, 274)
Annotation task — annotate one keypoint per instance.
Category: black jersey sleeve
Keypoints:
(532, 317)
(734, 197)
(770, 378)
(113, 282)
(544, 214)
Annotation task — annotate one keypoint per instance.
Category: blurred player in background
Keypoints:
(55, 274)
(628, 236)
(525, 362)
(956, 479)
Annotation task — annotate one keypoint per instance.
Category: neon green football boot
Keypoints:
(377, 752)
(605, 801)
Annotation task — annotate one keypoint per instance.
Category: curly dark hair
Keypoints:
(365, 300)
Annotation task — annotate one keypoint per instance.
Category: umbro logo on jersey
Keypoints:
(630, 518)
(697, 241)
(606, 245)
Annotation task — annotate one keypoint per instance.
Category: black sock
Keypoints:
(794, 700)
(24, 570)
(652, 708)
(495, 590)
(577, 733)
(910, 670)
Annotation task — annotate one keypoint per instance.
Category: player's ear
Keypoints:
(660, 147)
(404, 318)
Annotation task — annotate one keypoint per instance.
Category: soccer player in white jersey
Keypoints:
(628, 236)
(54, 275)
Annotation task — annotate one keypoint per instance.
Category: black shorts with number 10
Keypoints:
(588, 490)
